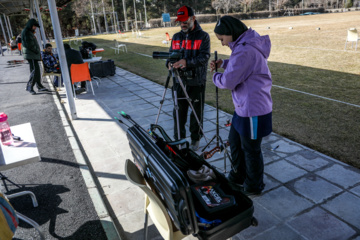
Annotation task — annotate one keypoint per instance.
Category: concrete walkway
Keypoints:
(307, 196)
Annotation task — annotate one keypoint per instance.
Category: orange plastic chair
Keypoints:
(79, 73)
(168, 37)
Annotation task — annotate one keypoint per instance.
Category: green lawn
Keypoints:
(303, 59)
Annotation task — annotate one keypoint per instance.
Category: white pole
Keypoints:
(7, 27)
(125, 16)
(10, 26)
(92, 17)
(63, 63)
(146, 24)
(112, 2)
(117, 21)
(135, 17)
(2, 52)
(42, 31)
(106, 25)
(3, 30)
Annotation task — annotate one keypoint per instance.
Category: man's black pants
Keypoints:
(197, 96)
(35, 75)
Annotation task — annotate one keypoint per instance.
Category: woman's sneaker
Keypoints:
(32, 92)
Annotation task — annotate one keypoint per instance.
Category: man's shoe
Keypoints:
(80, 90)
(194, 145)
(249, 194)
(32, 92)
(43, 89)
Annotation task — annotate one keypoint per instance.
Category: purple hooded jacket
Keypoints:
(247, 75)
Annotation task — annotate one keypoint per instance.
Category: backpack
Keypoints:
(8, 219)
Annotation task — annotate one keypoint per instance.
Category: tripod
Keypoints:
(177, 80)
(4, 178)
(222, 147)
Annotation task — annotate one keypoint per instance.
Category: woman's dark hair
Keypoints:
(230, 26)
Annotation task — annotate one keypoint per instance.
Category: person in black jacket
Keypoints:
(31, 50)
(74, 57)
(192, 70)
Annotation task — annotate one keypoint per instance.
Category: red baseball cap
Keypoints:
(184, 13)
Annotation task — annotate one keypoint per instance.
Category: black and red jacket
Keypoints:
(196, 44)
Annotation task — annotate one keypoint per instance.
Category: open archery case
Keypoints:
(208, 210)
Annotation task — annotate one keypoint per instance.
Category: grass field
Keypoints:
(303, 58)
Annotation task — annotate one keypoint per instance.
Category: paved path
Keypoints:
(307, 196)
(66, 209)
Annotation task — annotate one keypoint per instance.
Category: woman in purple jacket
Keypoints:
(248, 77)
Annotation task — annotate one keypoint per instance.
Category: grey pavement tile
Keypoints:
(308, 164)
(133, 224)
(164, 117)
(146, 113)
(167, 108)
(211, 115)
(111, 104)
(142, 92)
(168, 127)
(270, 183)
(209, 126)
(269, 156)
(279, 233)
(282, 202)
(344, 176)
(150, 96)
(96, 153)
(284, 171)
(155, 102)
(346, 206)
(356, 190)
(315, 188)
(286, 147)
(222, 121)
(129, 98)
(209, 108)
(318, 224)
(271, 138)
(265, 219)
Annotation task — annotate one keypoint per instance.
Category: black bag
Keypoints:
(96, 69)
(109, 67)
(173, 187)
(84, 53)
(88, 45)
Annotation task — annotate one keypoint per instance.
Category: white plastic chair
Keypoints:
(119, 46)
(352, 36)
(51, 74)
(153, 205)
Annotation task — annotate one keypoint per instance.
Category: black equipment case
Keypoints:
(102, 68)
(174, 188)
(96, 69)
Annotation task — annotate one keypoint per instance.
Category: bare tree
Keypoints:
(225, 5)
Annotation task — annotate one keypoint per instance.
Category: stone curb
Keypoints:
(86, 171)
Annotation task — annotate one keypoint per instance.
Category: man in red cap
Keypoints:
(193, 68)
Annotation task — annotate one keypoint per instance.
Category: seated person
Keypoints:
(13, 43)
(74, 57)
(51, 63)
(18, 42)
